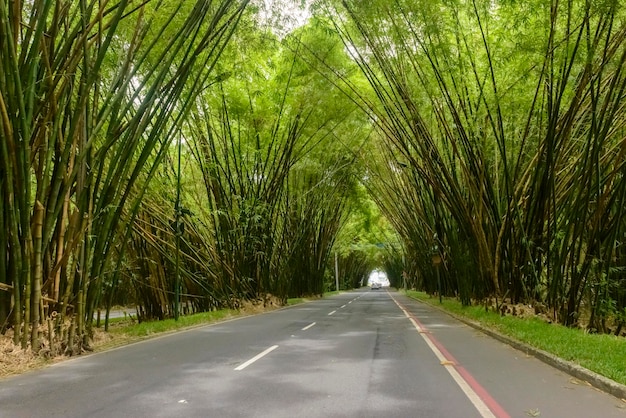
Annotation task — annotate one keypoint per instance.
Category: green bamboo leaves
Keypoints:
(260, 196)
(504, 144)
(90, 93)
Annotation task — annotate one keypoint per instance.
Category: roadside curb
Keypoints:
(594, 379)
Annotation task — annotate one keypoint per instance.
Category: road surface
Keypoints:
(368, 353)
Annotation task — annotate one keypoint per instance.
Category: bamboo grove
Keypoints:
(502, 147)
(90, 93)
(141, 163)
(184, 157)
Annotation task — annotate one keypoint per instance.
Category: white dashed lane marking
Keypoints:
(255, 358)
(308, 326)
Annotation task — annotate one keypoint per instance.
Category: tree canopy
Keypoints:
(188, 156)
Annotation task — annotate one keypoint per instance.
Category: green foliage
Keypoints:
(386, 133)
(89, 100)
(150, 328)
(366, 241)
(273, 142)
(501, 143)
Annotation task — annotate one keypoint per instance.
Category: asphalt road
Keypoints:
(357, 354)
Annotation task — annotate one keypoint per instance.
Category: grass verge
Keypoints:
(601, 353)
(295, 301)
(145, 329)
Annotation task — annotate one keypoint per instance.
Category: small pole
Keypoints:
(336, 272)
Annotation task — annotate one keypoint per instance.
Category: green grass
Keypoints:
(295, 301)
(601, 353)
(114, 320)
(126, 328)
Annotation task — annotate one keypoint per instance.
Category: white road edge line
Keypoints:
(331, 313)
(255, 358)
(308, 326)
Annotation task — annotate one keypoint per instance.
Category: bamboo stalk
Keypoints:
(37, 275)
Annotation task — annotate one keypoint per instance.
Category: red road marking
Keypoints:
(491, 403)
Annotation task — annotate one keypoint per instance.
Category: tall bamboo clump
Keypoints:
(268, 230)
(514, 163)
(316, 211)
(89, 94)
(268, 209)
(244, 174)
(237, 172)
